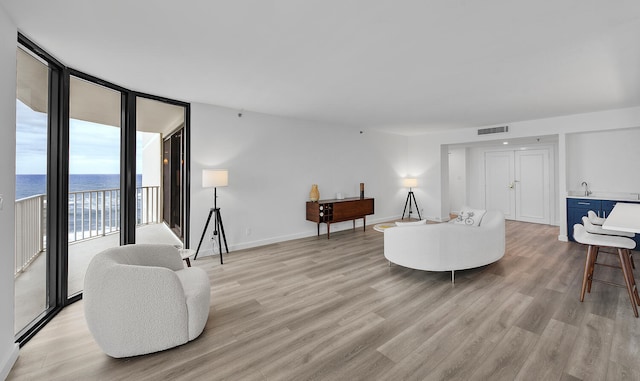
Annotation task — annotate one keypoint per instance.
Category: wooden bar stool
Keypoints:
(622, 245)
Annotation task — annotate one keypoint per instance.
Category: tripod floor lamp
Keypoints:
(214, 178)
(411, 198)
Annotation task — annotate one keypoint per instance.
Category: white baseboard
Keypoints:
(8, 362)
(256, 243)
(347, 225)
(340, 226)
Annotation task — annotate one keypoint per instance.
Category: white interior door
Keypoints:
(518, 184)
(498, 176)
(531, 186)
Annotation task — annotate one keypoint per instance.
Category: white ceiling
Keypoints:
(91, 102)
(404, 66)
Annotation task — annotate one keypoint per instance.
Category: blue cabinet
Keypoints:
(607, 207)
(578, 207)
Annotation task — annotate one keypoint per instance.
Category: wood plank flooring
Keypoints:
(318, 309)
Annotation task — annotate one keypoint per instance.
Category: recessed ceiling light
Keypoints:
(505, 143)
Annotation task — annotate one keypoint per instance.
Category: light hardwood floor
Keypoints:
(335, 310)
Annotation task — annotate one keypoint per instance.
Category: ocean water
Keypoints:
(32, 185)
(85, 214)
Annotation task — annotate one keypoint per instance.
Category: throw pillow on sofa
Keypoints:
(469, 216)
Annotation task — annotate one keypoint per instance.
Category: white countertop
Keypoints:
(624, 217)
(614, 196)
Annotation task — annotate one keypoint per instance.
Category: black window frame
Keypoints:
(58, 175)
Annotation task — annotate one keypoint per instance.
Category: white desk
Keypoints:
(624, 217)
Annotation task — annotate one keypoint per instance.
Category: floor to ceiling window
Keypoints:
(88, 177)
(32, 118)
(94, 175)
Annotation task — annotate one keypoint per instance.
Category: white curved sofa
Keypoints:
(140, 299)
(447, 246)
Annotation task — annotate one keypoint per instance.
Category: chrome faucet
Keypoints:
(587, 192)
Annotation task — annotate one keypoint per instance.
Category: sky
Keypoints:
(94, 148)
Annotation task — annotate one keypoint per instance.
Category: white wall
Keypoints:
(151, 159)
(457, 178)
(8, 44)
(475, 177)
(609, 161)
(425, 164)
(273, 161)
(424, 151)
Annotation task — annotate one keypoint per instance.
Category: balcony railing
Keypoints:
(30, 230)
(92, 213)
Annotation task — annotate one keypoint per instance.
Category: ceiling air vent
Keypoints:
(493, 130)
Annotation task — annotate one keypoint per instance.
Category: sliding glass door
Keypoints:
(160, 171)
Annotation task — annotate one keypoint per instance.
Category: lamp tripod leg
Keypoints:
(221, 234)
(416, 203)
(204, 232)
(411, 198)
(405, 206)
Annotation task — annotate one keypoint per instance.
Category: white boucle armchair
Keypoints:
(447, 246)
(140, 299)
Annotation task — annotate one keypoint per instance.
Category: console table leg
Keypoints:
(328, 230)
(318, 229)
(364, 223)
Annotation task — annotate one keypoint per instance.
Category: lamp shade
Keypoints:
(410, 182)
(213, 178)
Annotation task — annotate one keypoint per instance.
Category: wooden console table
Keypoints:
(330, 211)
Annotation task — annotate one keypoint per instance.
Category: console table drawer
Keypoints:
(584, 203)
